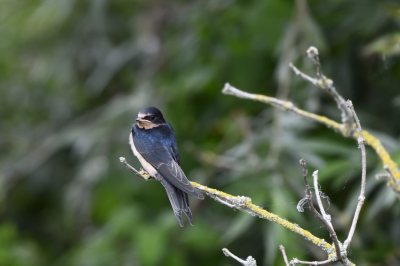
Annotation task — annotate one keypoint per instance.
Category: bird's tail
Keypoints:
(179, 201)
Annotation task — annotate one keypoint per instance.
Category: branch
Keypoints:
(295, 261)
(326, 217)
(393, 178)
(286, 105)
(143, 176)
(244, 204)
(327, 84)
(361, 198)
(332, 232)
(248, 262)
(282, 248)
(304, 76)
(387, 162)
(385, 176)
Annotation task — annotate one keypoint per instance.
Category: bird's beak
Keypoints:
(140, 119)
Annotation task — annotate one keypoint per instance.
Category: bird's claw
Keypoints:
(143, 172)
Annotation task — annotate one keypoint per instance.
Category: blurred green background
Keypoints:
(74, 74)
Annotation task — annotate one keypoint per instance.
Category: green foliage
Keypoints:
(74, 74)
(16, 250)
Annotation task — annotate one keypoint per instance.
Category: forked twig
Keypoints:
(332, 232)
(248, 262)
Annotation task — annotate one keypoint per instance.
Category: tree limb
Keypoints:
(244, 204)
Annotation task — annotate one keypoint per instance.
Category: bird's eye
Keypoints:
(152, 117)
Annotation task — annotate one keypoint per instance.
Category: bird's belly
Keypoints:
(148, 167)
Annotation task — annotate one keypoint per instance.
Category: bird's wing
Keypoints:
(174, 147)
(161, 159)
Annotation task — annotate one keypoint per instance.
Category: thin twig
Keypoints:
(282, 248)
(332, 233)
(144, 177)
(248, 262)
(295, 261)
(394, 180)
(226, 203)
(361, 198)
(327, 217)
(383, 176)
(304, 76)
(327, 84)
(230, 254)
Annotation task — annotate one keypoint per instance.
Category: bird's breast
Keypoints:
(148, 167)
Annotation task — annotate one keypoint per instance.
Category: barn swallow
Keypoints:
(153, 142)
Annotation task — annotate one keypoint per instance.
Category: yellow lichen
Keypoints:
(144, 174)
(321, 83)
(384, 156)
(269, 216)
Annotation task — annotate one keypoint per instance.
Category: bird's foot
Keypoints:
(144, 172)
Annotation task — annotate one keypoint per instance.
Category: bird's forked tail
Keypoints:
(179, 201)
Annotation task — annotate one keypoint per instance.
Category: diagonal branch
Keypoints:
(144, 177)
(327, 84)
(248, 262)
(244, 204)
(286, 105)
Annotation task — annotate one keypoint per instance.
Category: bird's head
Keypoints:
(150, 117)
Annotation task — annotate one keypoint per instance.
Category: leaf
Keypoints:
(387, 45)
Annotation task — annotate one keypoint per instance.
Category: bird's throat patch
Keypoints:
(146, 124)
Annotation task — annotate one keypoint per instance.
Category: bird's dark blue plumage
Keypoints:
(153, 142)
(161, 135)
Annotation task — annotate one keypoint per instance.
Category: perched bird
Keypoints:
(153, 142)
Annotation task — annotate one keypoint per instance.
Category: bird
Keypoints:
(153, 142)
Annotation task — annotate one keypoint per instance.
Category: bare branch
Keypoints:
(248, 262)
(304, 76)
(282, 248)
(327, 217)
(286, 105)
(332, 232)
(226, 203)
(361, 198)
(327, 84)
(244, 204)
(383, 176)
(295, 261)
(144, 177)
